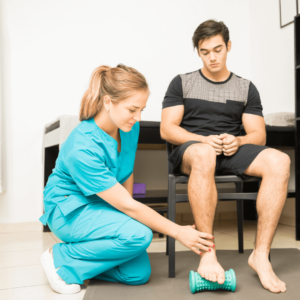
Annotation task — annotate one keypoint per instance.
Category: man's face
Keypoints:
(213, 53)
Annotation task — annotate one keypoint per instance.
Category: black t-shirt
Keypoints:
(213, 108)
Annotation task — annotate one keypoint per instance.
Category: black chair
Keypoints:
(174, 198)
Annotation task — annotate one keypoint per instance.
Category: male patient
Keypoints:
(202, 114)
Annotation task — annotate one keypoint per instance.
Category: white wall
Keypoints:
(272, 62)
(272, 57)
(272, 71)
(49, 49)
(2, 187)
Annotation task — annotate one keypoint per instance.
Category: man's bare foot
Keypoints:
(260, 263)
(210, 269)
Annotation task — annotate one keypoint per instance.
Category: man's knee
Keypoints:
(278, 164)
(200, 156)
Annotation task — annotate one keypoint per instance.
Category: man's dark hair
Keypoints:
(209, 29)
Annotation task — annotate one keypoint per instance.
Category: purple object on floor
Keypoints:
(139, 188)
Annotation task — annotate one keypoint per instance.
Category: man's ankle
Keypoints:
(211, 253)
(261, 252)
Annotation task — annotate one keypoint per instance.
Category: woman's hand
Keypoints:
(194, 239)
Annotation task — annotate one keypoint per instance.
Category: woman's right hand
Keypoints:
(194, 239)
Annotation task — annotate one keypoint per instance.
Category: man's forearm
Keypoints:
(256, 138)
(176, 135)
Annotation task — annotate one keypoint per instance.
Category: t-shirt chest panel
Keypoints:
(205, 100)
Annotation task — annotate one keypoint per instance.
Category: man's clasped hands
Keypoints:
(224, 143)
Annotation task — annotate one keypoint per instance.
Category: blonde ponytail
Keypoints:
(118, 83)
(91, 101)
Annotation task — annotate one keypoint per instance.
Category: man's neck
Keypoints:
(220, 76)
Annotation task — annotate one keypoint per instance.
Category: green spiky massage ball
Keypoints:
(198, 284)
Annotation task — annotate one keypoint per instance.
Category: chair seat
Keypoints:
(222, 196)
(218, 179)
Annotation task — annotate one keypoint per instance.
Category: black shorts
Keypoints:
(225, 165)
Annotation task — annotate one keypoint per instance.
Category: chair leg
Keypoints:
(167, 237)
(240, 214)
(160, 235)
(167, 246)
(239, 204)
(171, 257)
(171, 217)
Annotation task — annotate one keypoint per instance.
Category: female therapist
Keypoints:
(88, 198)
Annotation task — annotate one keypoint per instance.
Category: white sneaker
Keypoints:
(56, 282)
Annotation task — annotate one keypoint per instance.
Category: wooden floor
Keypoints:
(22, 277)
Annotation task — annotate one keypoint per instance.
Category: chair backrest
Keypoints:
(169, 150)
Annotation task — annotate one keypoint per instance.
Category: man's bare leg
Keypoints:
(274, 168)
(199, 161)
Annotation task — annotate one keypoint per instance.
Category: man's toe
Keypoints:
(221, 278)
(210, 276)
(206, 275)
(282, 286)
(283, 290)
(273, 288)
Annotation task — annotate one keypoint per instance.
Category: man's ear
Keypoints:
(228, 46)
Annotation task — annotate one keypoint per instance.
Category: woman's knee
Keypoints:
(143, 277)
(136, 234)
(142, 270)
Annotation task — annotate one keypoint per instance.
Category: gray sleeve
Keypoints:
(174, 94)
(253, 105)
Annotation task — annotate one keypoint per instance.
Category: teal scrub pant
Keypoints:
(102, 243)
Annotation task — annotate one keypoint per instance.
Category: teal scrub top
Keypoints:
(88, 163)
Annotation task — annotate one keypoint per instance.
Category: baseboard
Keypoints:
(21, 227)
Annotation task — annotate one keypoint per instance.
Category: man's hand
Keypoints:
(215, 141)
(231, 144)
